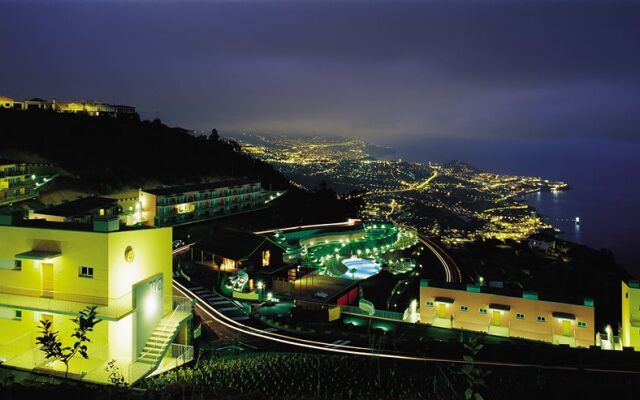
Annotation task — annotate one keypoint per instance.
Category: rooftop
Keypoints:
(198, 187)
(5, 161)
(321, 288)
(531, 295)
(67, 226)
(232, 243)
(78, 207)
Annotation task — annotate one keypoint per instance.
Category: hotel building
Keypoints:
(21, 181)
(515, 315)
(52, 271)
(183, 204)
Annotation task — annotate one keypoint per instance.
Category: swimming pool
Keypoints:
(364, 268)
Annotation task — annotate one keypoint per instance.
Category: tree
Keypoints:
(52, 346)
(214, 135)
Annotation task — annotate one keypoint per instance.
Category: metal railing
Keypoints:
(137, 369)
(181, 353)
(393, 315)
(64, 302)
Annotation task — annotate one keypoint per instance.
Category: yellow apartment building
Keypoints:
(15, 180)
(630, 328)
(52, 270)
(493, 311)
(21, 181)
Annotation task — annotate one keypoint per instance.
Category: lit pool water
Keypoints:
(364, 268)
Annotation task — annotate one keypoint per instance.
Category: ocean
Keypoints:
(604, 177)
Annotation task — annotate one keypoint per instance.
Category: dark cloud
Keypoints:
(467, 69)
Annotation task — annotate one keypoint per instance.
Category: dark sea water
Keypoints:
(604, 177)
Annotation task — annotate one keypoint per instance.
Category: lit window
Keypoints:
(519, 316)
(541, 319)
(464, 308)
(483, 311)
(86, 272)
(266, 257)
(17, 265)
(582, 324)
(185, 208)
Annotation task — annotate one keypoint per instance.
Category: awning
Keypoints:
(447, 300)
(563, 315)
(39, 255)
(501, 307)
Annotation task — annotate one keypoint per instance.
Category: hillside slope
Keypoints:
(109, 154)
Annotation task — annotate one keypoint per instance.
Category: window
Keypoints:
(582, 324)
(429, 303)
(464, 308)
(266, 257)
(185, 208)
(86, 272)
(6, 313)
(18, 265)
(483, 311)
(519, 316)
(541, 319)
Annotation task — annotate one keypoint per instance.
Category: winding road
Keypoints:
(216, 316)
(452, 272)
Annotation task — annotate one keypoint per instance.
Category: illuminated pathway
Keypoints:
(336, 347)
(349, 222)
(426, 183)
(419, 186)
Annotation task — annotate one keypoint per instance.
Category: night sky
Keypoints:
(367, 69)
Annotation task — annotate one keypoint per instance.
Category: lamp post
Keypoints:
(260, 286)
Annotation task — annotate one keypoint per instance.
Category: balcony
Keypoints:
(65, 303)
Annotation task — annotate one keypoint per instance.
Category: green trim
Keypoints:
(473, 288)
(38, 255)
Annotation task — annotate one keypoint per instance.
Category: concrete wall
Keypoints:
(152, 256)
(77, 248)
(148, 205)
(148, 299)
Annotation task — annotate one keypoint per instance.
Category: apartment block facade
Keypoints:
(183, 204)
(482, 309)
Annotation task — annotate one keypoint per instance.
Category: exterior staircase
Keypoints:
(157, 346)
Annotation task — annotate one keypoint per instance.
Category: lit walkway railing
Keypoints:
(65, 303)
